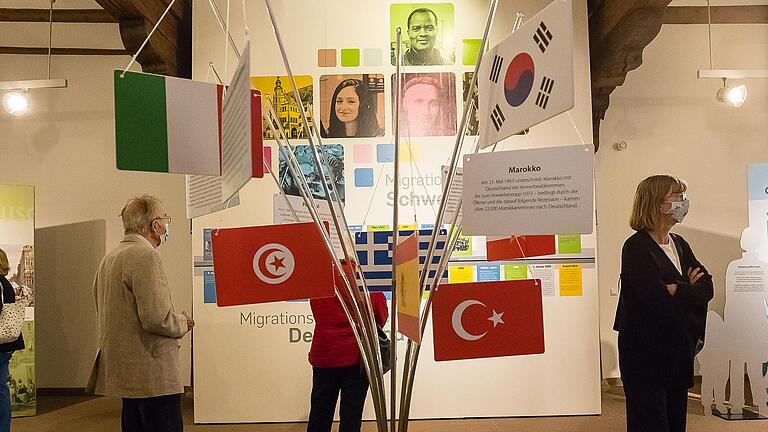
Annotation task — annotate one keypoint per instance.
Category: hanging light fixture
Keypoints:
(734, 95)
(15, 101)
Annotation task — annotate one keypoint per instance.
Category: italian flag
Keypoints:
(166, 124)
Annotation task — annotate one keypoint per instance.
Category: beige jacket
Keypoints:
(139, 330)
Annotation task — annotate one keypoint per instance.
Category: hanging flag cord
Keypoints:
(157, 24)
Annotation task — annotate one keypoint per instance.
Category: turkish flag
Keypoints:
(524, 246)
(270, 263)
(487, 319)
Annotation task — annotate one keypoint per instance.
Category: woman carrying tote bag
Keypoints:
(6, 349)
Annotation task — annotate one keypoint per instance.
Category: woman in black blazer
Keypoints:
(662, 309)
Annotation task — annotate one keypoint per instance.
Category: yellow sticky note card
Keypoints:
(460, 274)
(570, 280)
(406, 227)
(375, 228)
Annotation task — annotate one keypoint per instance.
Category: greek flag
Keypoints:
(374, 253)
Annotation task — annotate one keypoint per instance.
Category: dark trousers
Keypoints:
(327, 383)
(655, 409)
(154, 414)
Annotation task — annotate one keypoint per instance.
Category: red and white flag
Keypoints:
(522, 246)
(270, 263)
(488, 319)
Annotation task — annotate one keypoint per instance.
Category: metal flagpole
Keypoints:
(412, 350)
(395, 236)
(293, 168)
(444, 259)
(370, 348)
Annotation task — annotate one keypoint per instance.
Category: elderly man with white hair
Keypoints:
(139, 330)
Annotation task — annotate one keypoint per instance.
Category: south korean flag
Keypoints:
(528, 77)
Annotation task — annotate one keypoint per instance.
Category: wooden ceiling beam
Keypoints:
(62, 51)
(753, 14)
(169, 51)
(619, 31)
(59, 15)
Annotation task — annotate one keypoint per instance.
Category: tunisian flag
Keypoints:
(488, 319)
(270, 263)
(523, 246)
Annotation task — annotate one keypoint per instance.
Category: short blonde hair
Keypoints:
(138, 213)
(5, 267)
(646, 214)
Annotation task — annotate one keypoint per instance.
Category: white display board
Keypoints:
(250, 362)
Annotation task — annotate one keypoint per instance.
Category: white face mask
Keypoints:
(679, 210)
(165, 235)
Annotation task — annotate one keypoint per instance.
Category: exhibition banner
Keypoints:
(408, 289)
(531, 191)
(528, 77)
(17, 237)
(270, 263)
(488, 319)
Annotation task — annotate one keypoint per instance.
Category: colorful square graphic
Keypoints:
(362, 153)
(470, 48)
(326, 57)
(350, 57)
(385, 153)
(372, 57)
(363, 177)
(268, 157)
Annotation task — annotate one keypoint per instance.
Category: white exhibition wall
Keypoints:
(65, 147)
(673, 124)
(249, 371)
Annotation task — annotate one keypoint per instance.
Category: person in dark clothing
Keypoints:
(6, 349)
(335, 360)
(662, 309)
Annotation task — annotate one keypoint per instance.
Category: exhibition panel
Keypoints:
(250, 361)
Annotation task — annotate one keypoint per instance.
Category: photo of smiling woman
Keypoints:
(352, 106)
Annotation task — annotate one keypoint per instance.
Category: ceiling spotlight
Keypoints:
(15, 103)
(734, 95)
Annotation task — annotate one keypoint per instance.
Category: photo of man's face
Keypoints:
(421, 104)
(427, 105)
(422, 30)
(428, 33)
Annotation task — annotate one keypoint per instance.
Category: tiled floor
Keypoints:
(83, 414)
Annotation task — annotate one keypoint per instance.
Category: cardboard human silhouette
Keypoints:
(746, 323)
(714, 365)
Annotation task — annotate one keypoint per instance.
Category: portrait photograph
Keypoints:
(352, 106)
(428, 104)
(427, 33)
(277, 89)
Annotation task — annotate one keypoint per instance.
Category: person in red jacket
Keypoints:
(335, 360)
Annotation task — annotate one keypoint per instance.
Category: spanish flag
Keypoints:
(407, 285)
